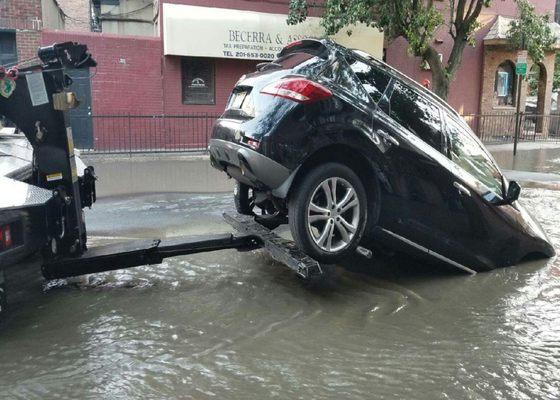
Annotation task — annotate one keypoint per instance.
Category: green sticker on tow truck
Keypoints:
(7, 87)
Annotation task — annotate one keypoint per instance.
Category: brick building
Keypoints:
(21, 23)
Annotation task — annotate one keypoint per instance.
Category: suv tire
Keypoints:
(243, 200)
(328, 212)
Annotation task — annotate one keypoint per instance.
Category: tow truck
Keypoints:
(44, 212)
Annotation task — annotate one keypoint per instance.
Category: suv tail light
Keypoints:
(298, 89)
(5, 236)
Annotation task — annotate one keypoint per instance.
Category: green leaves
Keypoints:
(298, 12)
(338, 13)
(531, 32)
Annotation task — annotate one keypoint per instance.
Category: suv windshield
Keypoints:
(468, 154)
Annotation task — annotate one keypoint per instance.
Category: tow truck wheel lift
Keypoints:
(46, 214)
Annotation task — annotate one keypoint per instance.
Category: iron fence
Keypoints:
(144, 133)
(189, 133)
(500, 128)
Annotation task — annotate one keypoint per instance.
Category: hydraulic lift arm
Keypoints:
(35, 99)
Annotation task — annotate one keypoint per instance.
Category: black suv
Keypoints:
(351, 151)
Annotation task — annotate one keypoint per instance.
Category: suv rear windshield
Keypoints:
(292, 60)
(300, 62)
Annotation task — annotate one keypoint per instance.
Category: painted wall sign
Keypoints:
(247, 34)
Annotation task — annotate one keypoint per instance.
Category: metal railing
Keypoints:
(500, 128)
(191, 133)
(143, 133)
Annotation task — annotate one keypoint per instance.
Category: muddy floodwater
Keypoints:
(231, 325)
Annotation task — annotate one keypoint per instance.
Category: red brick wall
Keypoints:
(127, 81)
(27, 43)
(20, 14)
(128, 76)
(509, 8)
(25, 17)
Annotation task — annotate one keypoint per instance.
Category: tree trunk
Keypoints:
(440, 85)
(440, 80)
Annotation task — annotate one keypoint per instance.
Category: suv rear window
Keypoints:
(292, 60)
(417, 114)
(374, 79)
(339, 74)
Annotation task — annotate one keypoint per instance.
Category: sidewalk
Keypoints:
(121, 174)
(534, 157)
(535, 163)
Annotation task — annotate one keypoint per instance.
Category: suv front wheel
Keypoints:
(328, 212)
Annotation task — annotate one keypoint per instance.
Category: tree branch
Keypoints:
(451, 18)
(432, 57)
(460, 13)
(456, 56)
(472, 15)
(472, 2)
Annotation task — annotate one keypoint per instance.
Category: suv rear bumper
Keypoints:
(246, 165)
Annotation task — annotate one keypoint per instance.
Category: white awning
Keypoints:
(226, 33)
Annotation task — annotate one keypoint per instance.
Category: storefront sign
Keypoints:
(225, 33)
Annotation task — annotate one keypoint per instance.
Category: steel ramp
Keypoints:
(282, 250)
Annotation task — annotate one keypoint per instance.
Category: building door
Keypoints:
(80, 117)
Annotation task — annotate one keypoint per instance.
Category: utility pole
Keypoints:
(520, 71)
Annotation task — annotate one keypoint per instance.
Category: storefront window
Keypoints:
(198, 75)
(504, 86)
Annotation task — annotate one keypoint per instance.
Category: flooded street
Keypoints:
(231, 325)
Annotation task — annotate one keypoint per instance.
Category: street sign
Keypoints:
(521, 65)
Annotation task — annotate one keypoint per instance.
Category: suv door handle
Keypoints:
(462, 189)
(387, 137)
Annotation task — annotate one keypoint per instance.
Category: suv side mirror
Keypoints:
(513, 192)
